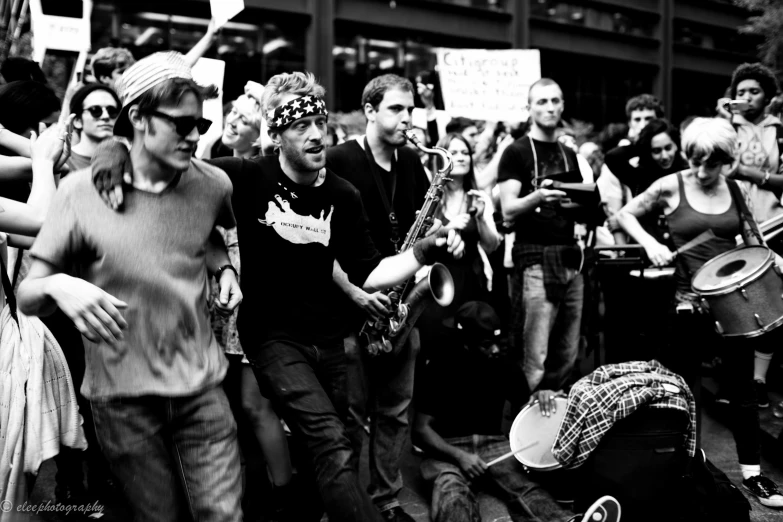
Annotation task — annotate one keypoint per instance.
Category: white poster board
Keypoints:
(225, 10)
(59, 32)
(487, 84)
(208, 71)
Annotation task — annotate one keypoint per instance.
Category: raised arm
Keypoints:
(488, 232)
(26, 218)
(14, 142)
(203, 45)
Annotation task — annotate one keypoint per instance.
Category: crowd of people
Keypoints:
(137, 255)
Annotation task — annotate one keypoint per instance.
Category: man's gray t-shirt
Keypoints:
(152, 255)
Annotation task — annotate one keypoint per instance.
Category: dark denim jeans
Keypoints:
(307, 386)
(382, 388)
(453, 494)
(176, 458)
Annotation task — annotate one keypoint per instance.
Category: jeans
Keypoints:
(307, 386)
(381, 387)
(548, 331)
(453, 494)
(175, 457)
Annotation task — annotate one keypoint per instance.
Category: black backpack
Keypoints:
(709, 496)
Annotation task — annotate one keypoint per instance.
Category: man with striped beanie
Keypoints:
(154, 367)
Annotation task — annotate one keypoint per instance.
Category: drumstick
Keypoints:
(511, 454)
(696, 241)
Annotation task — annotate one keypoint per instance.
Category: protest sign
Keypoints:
(487, 84)
(208, 71)
(225, 10)
(61, 33)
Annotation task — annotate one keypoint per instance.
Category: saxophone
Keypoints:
(409, 299)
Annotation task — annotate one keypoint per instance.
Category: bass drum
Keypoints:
(535, 435)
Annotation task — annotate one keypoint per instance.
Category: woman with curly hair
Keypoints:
(760, 171)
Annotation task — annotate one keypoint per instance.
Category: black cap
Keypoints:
(479, 321)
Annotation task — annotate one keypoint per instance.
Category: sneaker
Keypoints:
(396, 514)
(765, 490)
(760, 387)
(605, 509)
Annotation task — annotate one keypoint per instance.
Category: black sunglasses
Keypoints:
(185, 124)
(96, 111)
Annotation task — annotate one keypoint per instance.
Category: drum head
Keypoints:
(730, 268)
(537, 434)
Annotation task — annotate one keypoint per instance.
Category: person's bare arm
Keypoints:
(27, 218)
(202, 46)
(396, 269)
(425, 436)
(652, 200)
(94, 312)
(514, 206)
(375, 304)
(14, 142)
(230, 295)
(487, 177)
(488, 232)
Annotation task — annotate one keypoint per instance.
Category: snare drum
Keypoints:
(743, 291)
(537, 434)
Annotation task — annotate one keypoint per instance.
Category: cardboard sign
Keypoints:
(486, 84)
(225, 10)
(65, 34)
(62, 33)
(208, 71)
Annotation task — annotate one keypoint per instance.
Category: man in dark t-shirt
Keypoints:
(548, 287)
(458, 424)
(392, 184)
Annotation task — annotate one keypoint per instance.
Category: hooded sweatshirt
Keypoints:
(758, 147)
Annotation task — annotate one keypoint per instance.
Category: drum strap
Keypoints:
(745, 215)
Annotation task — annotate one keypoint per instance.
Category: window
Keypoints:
(603, 19)
(360, 59)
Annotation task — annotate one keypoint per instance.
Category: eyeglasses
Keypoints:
(96, 111)
(184, 124)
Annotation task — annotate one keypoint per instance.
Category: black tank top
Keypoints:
(685, 223)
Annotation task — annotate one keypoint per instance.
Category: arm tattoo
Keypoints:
(648, 201)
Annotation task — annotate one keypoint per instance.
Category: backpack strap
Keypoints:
(9, 290)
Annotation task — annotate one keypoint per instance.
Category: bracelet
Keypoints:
(767, 175)
(219, 271)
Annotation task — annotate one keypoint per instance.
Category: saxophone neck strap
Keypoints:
(388, 203)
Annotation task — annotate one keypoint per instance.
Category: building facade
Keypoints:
(600, 51)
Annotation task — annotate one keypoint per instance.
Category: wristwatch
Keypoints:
(219, 271)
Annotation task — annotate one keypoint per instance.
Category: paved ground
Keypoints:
(716, 439)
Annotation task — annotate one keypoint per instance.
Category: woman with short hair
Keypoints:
(695, 200)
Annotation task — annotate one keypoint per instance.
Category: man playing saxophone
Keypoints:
(296, 218)
(392, 184)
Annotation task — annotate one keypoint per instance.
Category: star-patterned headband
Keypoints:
(296, 109)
